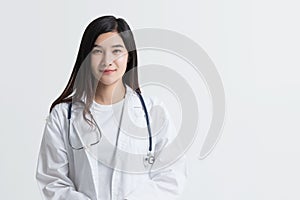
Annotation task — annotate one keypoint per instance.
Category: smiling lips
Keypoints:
(108, 71)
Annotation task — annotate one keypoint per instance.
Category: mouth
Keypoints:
(108, 71)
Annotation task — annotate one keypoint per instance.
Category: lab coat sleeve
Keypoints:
(167, 183)
(52, 167)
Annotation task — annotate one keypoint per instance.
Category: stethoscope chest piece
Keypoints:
(149, 159)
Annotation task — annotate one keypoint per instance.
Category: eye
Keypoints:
(116, 51)
(97, 51)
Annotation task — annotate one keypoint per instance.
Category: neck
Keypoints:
(110, 94)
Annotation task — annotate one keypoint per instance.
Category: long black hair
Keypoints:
(83, 84)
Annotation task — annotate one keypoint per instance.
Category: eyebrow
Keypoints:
(113, 46)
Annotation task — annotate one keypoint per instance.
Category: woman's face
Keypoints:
(109, 58)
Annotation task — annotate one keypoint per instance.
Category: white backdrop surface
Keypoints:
(254, 45)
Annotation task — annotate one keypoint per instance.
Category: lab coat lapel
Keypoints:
(85, 166)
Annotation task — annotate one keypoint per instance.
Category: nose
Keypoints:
(107, 59)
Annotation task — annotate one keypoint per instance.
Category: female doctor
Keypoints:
(102, 138)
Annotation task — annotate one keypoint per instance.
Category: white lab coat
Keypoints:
(65, 173)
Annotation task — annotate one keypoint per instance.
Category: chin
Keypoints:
(107, 82)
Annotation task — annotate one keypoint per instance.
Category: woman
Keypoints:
(86, 153)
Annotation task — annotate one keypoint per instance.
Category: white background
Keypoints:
(254, 45)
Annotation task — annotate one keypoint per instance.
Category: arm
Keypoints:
(167, 183)
(52, 168)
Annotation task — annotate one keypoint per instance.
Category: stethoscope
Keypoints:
(149, 158)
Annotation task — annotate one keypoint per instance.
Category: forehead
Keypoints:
(109, 38)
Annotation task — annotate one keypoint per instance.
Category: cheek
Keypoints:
(122, 61)
(95, 60)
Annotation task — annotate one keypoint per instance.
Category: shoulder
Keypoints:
(150, 101)
(58, 115)
(156, 108)
(60, 109)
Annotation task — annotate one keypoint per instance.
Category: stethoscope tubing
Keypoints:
(146, 115)
(147, 120)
